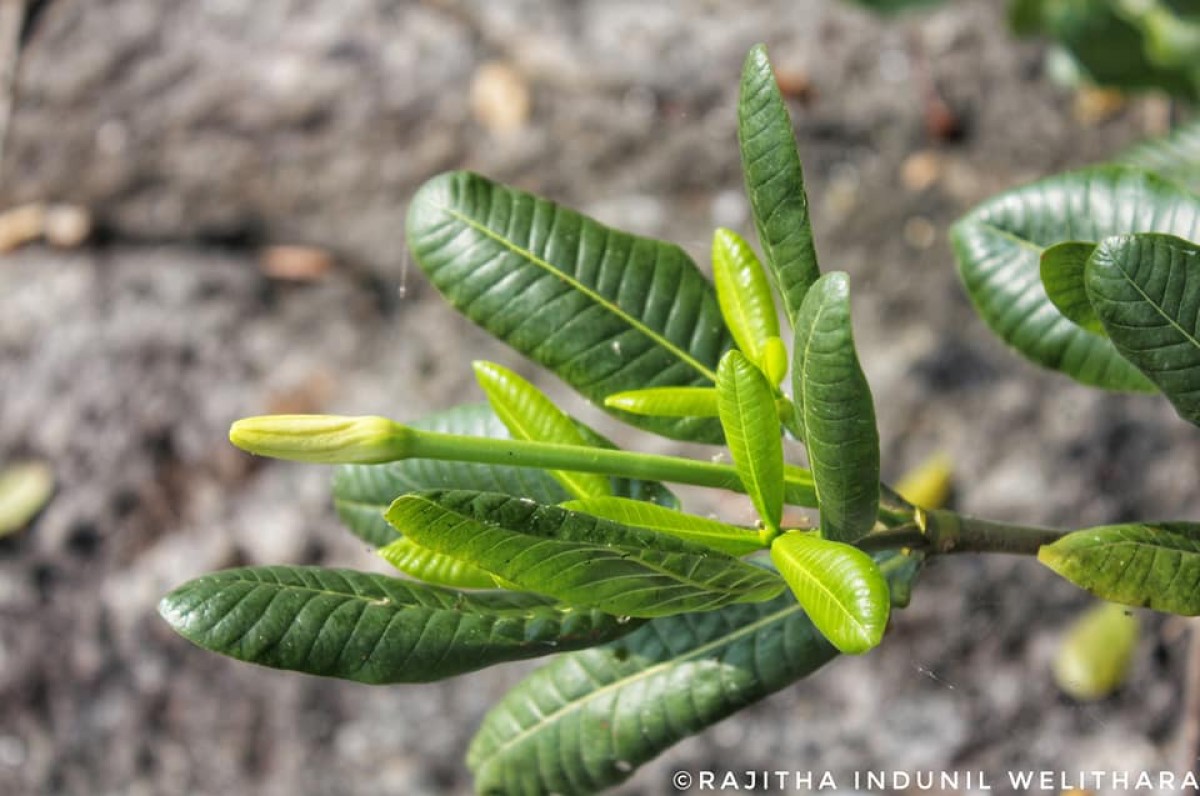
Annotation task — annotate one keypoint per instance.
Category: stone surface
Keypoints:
(196, 133)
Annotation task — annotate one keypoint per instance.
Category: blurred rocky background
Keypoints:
(205, 207)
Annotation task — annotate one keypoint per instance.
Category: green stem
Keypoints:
(949, 532)
(943, 532)
(605, 461)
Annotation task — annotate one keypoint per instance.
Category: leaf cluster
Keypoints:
(520, 531)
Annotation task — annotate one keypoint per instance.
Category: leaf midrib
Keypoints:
(1154, 305)
(576, 704)
(392, 603)
(525, 253)
(634, 553)
(807, 575)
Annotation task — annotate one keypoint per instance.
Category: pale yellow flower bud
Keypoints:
(323, 439)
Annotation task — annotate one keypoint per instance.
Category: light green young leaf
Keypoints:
(840, 587)
(605, 310)
(753, 433)
(372, 628)
(999, 245)
(701, 530)
(576, 558)
(1062, 269)
(1146, 291)
(441, 570)
(775, 360)
(587, 720)
(775, 181)
(529, 414)
(667, 401)
(1149, 565)
(838, 415)
(744, 295)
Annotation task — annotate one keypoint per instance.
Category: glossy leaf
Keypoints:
(1094, 656)
(579, 559)
(775, 360)
(775, 181)
(362, 493)
(1148, 565)
(667, 401)
(700, 530)
(840, 587)
(753, 433)
(834, 402)
(1000, 243)
(605, 310)
(372, 628)
(587, 720)
(744, 294)
(529, 414)
(1062, 271)
(1174, 157)
(436, 568)
(1146, 291)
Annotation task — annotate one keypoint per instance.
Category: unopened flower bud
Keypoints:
(323, 439)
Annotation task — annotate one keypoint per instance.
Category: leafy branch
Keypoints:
(523, 532)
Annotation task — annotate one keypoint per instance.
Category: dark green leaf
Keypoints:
(586, 721)
(530, 415)
(834, 403)
(362, 492)
(701, 530)
(840, 587)
(372, 628)
(753, 433)
(999, 245)
(605, 310)
(579, 559)
(775, 181)
(1175, 157)
(441, 570)
(1062, 270)
(1119, 44)
(1146, 291)
(1148, 565)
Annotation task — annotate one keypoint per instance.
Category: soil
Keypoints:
(199, 133)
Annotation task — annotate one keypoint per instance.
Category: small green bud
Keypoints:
(322, 439)
(774, 360)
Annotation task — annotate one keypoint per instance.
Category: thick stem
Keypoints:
(605, 461)
(948, 532)
(941, 532)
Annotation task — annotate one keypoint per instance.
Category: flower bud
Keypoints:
(323, 439)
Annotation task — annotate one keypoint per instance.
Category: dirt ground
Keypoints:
(199, 133)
